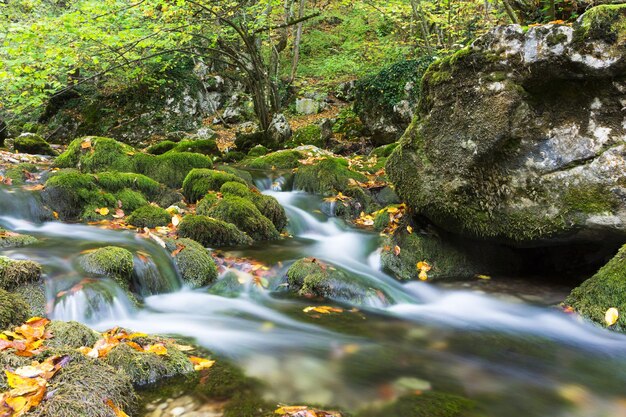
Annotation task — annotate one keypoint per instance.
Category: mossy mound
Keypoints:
(119, 181)
(13, 310)
(212, 232)
(326, 177)
(277, 160)
(202, 146)
(130, 200)
(200, 181)
(110, 261)
(21, 172)
(605, 22)
(160, 148)
(145, 367)
(15, 240)
(244, 214)
(271, 208)
(310, 277)
(14, 273)
(33, 144)
(70, 335)
(606, 289)
(307, 135)
(171, 168)
(81, 389)
(428, 404)
(96, 154)
(35, 296)
(384, 151)
(244, 175)
(258, 150)
(204, 205)
(195, 264)
(149, 216)
(236, 188)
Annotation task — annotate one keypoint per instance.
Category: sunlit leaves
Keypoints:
(423, 267)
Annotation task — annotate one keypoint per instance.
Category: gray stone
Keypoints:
(307, 106)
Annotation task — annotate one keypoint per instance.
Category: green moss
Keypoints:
(348, 123)
(194, 263)
(233, 156)
(258, 150)
(206, 203)
(270, 208)
(212, 232)
(117, 181)
(145, 368)
(70, 334)
(110, 261)
(279, 160)
(14, 273)
(244, 175)
(202, 146)
(67, 192)
(130, 200)
(20, 173)
(244, 404)
(149, 216)
(33, 144)
(606, 289)
(170, 168)
(589, 199)
(384, 151)
(308, 135)
(200, 181)
(160, 148)
(243, 214)
(603, 22)
(235, 188)
(15, 240)
(381, 221)
(310, 277)
(13, 310)
(103, 154)
(35, 296)
(326, 177)
(223, 381)
(82, 387)
(428, 404)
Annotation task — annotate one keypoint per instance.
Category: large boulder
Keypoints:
(520, 137)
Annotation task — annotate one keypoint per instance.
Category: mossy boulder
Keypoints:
(384, 151)
(161, 147)
(512, 136)
(309, 277)
(14, 273)
(427, 404)
(15, 240)
(34, 294)
(244, 175)
(34, 144)
(149, 216)
(257, 151)
(171, 168)
(110, 261)
(212, 232)
(208, 201)
(96, 154)
(307, 135)
(145, 367)
(118, 181)
(326, 177)
(244, 214)
(270, 208)
(277, 160)
(200, 181)
(70, 335)
(20, 173)
(606, 289)
(13, 309)
(195, 264)
(202, 146)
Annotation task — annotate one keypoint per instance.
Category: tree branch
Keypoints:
(287, 24)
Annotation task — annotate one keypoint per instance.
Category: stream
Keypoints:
(514, 358)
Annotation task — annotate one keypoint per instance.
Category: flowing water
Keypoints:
(515, 359)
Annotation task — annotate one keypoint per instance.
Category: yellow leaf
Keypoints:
(483, 276)
(290, 409)
(118, 412)
(158, 349)
(611, 316)
(199, 363)
(175, 220)
(409, 229)
(86, 144)
(396, 250)
(102, 211)
(323, 309)
(422, 275)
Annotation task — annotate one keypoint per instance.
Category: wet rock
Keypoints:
(34, 144)
(110, 261)
(514, 136)
(149, 216)
(15, 240)
(193, 261)
(14, 273)
(200, 181)
(326, 176)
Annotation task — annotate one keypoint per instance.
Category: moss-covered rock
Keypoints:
(384, 151)
(307, 135)
(326, 177)
(20, 173)
(202, 146)
(82, 387)
(258, 150)
(428, 404)
(270, 208)
(15, 240)
(236, 188)
(160, 148)
(244, 175)
(34, 294)
(110, 261)
(70, 335)
(130, 200)
(606, 289)
(171, 168)
(204, 205)
(200, 181)
(119, 181)
(195, 264)
(14, 273)
(149, 216)
(244, 214)
(96, 154)
(310, 277)
(13, 309)
(602, 23)
(212, 232)
(144, 367)
(33, 144)
(277, 160)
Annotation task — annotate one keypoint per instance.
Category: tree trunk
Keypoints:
(296, 43)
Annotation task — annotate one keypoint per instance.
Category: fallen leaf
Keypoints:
(200, 364)
(86, 144)
(409, 229)
(118, 412)
(323, 309)
(102, 211)
(396, 250)
(611, 316)
(158, 349)
(176, 220)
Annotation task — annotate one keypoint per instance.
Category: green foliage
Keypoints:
(211, 232)
(149, 216)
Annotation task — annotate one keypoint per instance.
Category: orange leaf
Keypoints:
(86, 144)
(157, 349)
(118, 412)
(396, 250)
(199, 363)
